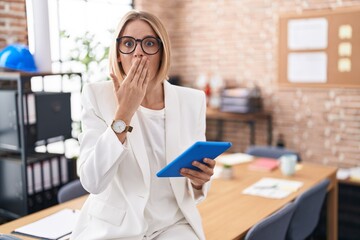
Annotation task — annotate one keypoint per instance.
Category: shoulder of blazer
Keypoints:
(189, 93)
(99, 87)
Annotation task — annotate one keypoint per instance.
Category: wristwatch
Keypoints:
(120, 126)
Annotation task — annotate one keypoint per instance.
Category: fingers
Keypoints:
(136, 70)
(202, 176)
(206, 167)
(115, 81)
(141, 72)
(133, 70)
(145, 76)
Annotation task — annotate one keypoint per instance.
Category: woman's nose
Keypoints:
(138, 50)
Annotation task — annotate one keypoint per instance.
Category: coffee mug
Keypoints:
(288, 164)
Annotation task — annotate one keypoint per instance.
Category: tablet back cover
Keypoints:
(197, 152)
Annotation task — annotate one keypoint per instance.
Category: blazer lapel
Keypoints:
(172, 122)
(172, 135)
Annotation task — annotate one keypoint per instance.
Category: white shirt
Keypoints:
(162, 209)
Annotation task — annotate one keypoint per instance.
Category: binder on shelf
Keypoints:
(241, 100)
(30, 108)
(53, 114)
(55, 171)
(37, 177)
(46, 172)
(30, 182)
(45, 116)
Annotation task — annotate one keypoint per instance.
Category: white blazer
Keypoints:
(118, 176)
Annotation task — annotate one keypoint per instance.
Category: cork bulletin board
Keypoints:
(320, 48)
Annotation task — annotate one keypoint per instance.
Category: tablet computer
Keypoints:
(197, 152)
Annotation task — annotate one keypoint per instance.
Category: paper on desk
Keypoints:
(54, 226)
(273, 188)
(234, 158)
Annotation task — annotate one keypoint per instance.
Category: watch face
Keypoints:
(118, 126)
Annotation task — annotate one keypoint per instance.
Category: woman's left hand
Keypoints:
(199, 178)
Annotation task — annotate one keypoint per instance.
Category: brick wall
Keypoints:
(13, 25)
(239, 40)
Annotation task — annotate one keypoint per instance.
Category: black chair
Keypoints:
(8, 237)
(270, 151)
(274, 226)
(70, 191)
(307, 212)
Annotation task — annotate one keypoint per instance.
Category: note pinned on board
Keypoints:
(308, 34)
(52, 227)
(310, 67)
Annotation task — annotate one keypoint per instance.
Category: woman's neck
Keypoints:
(154, 97)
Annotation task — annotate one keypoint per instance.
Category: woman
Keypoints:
(132, 127)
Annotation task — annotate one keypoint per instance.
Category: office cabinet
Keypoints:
(29, 180)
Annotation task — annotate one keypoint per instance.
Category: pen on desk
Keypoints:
(266, 187)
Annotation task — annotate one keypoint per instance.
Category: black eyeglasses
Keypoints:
(150, 45)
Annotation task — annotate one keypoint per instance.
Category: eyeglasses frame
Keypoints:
(140, 41)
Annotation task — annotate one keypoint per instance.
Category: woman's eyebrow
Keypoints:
(150, 36)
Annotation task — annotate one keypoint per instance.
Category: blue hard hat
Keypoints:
(17, 57)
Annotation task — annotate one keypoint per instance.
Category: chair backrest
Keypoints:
(70, 191)
(8, 237)
(307, 212)
(270, 151)
(274, 226)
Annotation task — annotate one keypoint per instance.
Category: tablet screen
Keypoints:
(197, 152)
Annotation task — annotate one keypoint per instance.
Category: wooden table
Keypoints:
(226, 212)
(249, 118)
(229, 214)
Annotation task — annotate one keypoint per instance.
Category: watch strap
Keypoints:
(128, 128)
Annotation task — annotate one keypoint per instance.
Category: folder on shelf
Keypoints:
(30, 179)
(52, 227)
(37, 177)
(55, 171)
(47, 174)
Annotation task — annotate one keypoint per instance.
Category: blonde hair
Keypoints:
(116, 67)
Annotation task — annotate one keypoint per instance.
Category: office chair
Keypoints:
(307, 212)
(270, 151)
(8, 237)
(274, 226)
(70, 191)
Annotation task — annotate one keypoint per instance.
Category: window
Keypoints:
(76, 23)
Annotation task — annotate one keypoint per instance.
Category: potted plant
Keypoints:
(227, 171)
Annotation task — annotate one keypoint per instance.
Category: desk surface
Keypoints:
(226, 212)
(229, 214)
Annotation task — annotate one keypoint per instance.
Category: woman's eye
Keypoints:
(149, 43)
(128, 44)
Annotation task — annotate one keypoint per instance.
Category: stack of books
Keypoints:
(241, 100)
(264, 164)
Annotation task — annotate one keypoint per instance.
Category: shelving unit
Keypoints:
(29, 180)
